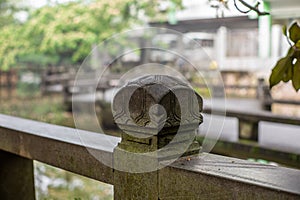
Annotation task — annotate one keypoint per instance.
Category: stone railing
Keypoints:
(156, 158)
(249, 120)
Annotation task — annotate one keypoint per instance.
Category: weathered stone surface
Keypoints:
(203, 176)
(209, 176)
(140, 186)
(159, 116)
(16, 177)
(58, 146)
(156, 111)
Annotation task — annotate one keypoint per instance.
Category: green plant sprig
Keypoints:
(288, 67)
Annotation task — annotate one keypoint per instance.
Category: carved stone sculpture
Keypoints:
(156, 111)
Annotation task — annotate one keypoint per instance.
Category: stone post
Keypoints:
(159, 116)
(264, 95)
(248, 129)
(16, 175)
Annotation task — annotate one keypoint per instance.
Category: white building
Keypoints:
(241, 42)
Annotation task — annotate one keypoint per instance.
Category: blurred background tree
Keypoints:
(10, 31)
(63, 33)
(8, 10)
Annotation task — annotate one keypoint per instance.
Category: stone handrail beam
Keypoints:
(205, 175)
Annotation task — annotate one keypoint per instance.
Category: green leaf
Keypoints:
(298, 45)
(294, 32)
(284, 30)
(291, 52)
(296, 75)
(279, 70)
(288, 75)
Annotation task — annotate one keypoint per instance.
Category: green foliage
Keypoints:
(296, 75)
(12, 45)
(11, 40)
(69, 30)
(288, 67)
(64, 33)
(39, 59)
(295, 32)
(8, 9)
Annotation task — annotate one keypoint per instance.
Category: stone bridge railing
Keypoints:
(160, 115)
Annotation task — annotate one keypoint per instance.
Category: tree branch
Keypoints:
(254, 8)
